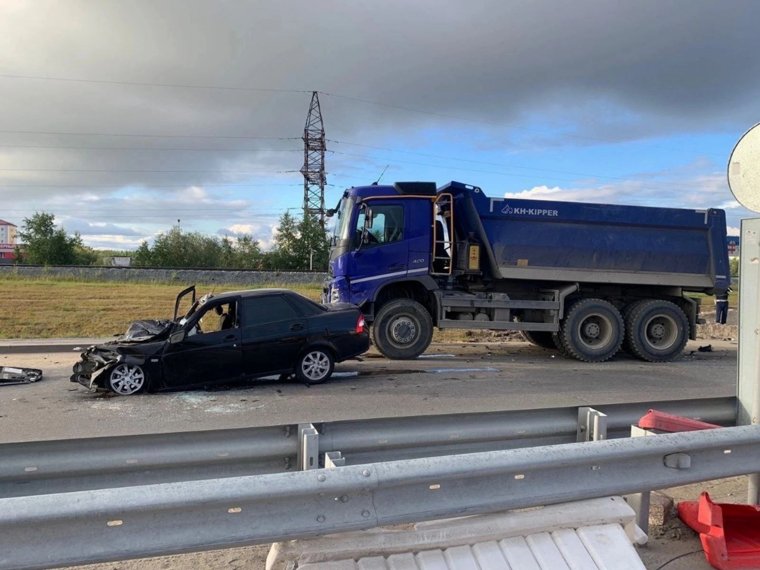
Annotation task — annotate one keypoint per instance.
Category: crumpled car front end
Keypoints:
(142, 338)
(92, 362)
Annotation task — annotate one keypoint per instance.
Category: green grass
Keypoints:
(56, 308)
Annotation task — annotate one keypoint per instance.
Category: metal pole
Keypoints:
(748, 383)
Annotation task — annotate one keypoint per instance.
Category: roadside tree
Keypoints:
(48, 245)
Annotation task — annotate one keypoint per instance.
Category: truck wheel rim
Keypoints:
(595, 331)
(403, 330)
(315, 365)
(661, 332)
(127, 379)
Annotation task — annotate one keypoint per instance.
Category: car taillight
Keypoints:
(360, 325)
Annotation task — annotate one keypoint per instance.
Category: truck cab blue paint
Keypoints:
(397, 248)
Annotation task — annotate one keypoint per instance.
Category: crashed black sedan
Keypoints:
(226, 338)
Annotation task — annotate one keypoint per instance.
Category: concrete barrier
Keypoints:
(164, 275)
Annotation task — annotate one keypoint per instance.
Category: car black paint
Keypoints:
(258, 333)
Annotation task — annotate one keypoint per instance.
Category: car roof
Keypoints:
(247, 293)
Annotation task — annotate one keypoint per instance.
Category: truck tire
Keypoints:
(592, 330)
(539, 338)
(626, 312)
(656, 330)
(402, 329)
(559, 346)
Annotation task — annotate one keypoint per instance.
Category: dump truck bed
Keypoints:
(598, 243)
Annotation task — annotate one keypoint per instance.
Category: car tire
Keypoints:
(539, 338)
(402, 330)
(592, 330)
(315, 366)
(656, 331)
(126, 379)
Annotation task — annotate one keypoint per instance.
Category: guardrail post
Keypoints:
(334, 459)
(308, 447)
(592, 425)
(748, 381)
(641, 502)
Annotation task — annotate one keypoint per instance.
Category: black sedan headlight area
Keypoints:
(92, 361)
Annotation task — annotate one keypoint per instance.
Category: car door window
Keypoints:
(217, 318)
(263, 310)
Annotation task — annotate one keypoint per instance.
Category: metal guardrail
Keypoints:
(109, 462)
(41, 531)
(61, 466)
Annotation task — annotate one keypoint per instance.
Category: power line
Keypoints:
(281, 90)
(151, 84)
(111, 170)
(151, 149)
(148, 135)
(130, 185)
(471, 161)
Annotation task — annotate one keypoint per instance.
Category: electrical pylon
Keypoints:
(313, 169)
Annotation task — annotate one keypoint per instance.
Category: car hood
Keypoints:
(146, 330)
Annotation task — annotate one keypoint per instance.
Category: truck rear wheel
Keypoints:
(402, 329)
(592, 330)
(539, 338)
(656, 330)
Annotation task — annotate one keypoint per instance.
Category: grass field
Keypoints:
(32, 308)
(58, 308)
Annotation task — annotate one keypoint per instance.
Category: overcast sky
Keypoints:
(122, 118)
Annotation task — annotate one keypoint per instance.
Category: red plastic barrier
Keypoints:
(668, 422)
(730, 534)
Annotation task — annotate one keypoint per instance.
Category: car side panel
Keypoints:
(272, 347)
(337, 329)
(203, 359)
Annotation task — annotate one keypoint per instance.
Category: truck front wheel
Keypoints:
(656, 330)
(539, 338)
(402, 329)
(592, 330)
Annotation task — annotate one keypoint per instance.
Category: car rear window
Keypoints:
(305, 306)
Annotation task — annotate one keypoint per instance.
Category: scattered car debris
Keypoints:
(705, 348)
(13, 375)
(224, 339)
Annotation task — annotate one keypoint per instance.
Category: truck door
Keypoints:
(380, 250)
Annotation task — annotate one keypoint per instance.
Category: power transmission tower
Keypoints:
(313, 168)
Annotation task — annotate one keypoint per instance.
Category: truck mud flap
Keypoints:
(12, 375)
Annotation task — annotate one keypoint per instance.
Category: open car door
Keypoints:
(181, 295)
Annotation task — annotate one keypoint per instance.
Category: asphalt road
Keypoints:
(450, 378)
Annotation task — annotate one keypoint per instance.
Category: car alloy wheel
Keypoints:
(315, 366)
(126, 379)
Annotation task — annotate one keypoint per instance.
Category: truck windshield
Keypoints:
(342, 217)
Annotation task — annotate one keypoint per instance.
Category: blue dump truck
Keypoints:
(586, 279)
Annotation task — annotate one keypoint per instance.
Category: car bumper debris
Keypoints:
(13, 375)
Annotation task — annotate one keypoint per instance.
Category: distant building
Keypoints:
(7, 241)
(121, 261)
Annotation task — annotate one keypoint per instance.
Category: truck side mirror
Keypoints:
(368, 218)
